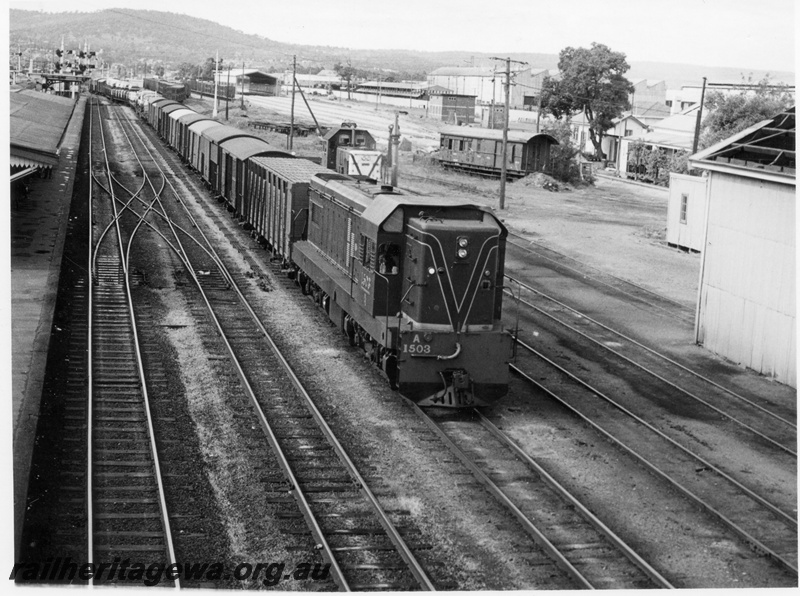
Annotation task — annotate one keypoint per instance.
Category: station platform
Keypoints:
(38, 227)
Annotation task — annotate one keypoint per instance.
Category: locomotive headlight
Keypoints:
(463, 241)
(487, 273)
(462, 253)
(431, 270)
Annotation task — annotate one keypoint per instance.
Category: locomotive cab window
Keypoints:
(388, 258)
(360, 141)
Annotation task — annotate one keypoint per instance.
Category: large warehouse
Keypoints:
(746, 307)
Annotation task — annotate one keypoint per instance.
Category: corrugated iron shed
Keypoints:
(765, 150)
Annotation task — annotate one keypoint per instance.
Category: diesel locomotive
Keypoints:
(415, 281)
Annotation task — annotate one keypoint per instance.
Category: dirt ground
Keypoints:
(618, 227)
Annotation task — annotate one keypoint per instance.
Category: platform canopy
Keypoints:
(37, 126)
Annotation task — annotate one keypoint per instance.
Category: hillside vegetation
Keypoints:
(131, 37)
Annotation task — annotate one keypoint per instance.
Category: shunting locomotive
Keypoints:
(416, 281)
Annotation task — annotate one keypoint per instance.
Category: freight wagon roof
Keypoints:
(177, 114)
(189, 119)
(202, 125)
(163, 102)
(514, 136)
(168, 109)
(221, 133)
(244, 147)
(291, 169)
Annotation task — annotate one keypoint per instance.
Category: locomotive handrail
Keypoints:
(439, 356)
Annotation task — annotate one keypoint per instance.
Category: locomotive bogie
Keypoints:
(453, 370)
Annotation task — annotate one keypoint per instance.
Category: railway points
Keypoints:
(231, 268)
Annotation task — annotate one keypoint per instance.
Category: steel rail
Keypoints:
(620, 544)
(750, 493)
(316, 530)
(89, 359)
(655, 353)
(124, 262)
(600, 281)
(538, 537)
(746, 536)
(405, 552)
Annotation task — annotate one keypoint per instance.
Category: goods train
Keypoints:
(415, 281)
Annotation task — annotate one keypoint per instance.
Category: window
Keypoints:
(684, 207)
(628, 132)
(344, 139)
(388, 258)
(669, 103)
(360, 141)
(314, 209)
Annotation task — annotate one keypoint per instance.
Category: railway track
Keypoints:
(127, 515)
(768, 528)
(632, 292)
(575, 539)
(362, 544)
(770, 424)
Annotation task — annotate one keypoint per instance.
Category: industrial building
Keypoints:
(747, 290)
(486, 83)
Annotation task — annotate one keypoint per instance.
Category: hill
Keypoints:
(133, 37)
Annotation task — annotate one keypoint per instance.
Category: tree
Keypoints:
(188, 71)
(345, 72)
(729, 113)
(207, 71)
(563, 165)
(591, 81)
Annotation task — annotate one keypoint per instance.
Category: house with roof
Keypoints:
(746, 308)
(671, 135)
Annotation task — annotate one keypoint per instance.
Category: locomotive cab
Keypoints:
(452, 350)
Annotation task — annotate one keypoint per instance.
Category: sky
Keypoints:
(755, 34)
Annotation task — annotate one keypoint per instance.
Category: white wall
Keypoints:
(688, 234)
(747, 309)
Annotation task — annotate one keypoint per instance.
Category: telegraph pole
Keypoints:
(504, 168)
(216, 66)
(227, 91)
(699, 118)
(394, 138)
(242, 84)
(290, 140)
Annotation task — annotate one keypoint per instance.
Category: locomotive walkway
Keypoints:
(38, 226)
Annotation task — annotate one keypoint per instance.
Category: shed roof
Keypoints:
(515, 136)
(291, 169)
(38, 122)
(464, 71)
(765, 150)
